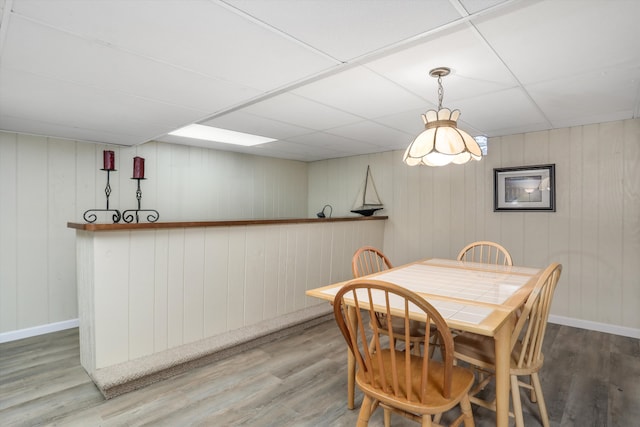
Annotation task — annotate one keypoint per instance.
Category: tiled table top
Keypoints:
(480, 284)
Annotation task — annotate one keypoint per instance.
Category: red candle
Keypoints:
(138, 167)
(109, 160)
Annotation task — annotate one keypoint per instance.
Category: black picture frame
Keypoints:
(524, 189)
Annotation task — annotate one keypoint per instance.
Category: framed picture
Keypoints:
(524, 188)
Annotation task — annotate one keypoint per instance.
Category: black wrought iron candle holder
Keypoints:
(130, 214)
(90, 215)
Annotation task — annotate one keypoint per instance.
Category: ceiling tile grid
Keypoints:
(326, 78)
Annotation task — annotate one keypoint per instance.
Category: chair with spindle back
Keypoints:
(485, 252)
(368, 260)
(526, 347)
(401, 382)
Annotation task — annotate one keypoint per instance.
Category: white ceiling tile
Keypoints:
(301, 150)
(65, 57)
(361, 92)
(492, 113)
(27, 96)
(545, 40)
(373, 133)
(349, 29)
(70, 131)
(612, 93)
(409, 122)
(326, 140)
(198, 35)
(298, 111)
(473, 6)
(475, 69)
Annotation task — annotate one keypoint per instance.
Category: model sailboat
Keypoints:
(368, 200)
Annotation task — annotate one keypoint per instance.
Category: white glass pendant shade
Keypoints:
(442, 142)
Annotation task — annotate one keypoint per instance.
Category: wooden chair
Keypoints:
(485, 252)
(414, 386)
(368, 260)
(526, 347)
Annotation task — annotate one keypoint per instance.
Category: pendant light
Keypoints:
(441, 142)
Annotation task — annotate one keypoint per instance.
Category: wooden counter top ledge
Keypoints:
(227, 223)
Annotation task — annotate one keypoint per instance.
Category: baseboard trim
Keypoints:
(38, 330)
(560, 320)
(595, 326)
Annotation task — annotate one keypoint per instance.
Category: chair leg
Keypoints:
(387, 417)
(351, 381)
(434, 341)
(517, 403)
(426, 421)
(537, 387)
(372, 345)
(365, 412)
(415, 349)
(467, 412)
(466, 416)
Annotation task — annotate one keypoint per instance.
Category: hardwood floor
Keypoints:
(589, 379)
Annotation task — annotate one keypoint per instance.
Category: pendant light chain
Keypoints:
(440, 92)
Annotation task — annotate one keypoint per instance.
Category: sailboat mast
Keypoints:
(366, 183)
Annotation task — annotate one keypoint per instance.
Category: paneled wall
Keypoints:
(47, 182)
(595, 233)
(146, 291)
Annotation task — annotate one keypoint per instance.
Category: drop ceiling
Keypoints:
(326, 78)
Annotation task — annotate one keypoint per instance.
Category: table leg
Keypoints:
(503, 362)
(351, 365)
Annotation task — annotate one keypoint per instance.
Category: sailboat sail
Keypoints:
(368, 200)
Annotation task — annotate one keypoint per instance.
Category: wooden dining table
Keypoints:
(471, 297)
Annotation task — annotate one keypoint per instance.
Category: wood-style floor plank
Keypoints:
(624, 389)
(589, 379)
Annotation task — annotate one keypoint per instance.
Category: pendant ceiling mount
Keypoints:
(440, 72)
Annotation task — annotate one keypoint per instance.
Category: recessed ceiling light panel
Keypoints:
(225, 136)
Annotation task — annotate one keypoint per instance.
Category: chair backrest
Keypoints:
(485, 252)
(368, 260)
(528, 333)
(382, 366)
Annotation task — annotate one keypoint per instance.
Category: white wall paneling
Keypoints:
(146, 291)
(32, 222)
(62, 304)
(47, 182)
(594, 233)
(9, 233)
(630, 273)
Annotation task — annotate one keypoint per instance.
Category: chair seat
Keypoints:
(435, 402)
(416, 335)
(480, 351)
(416, 328)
